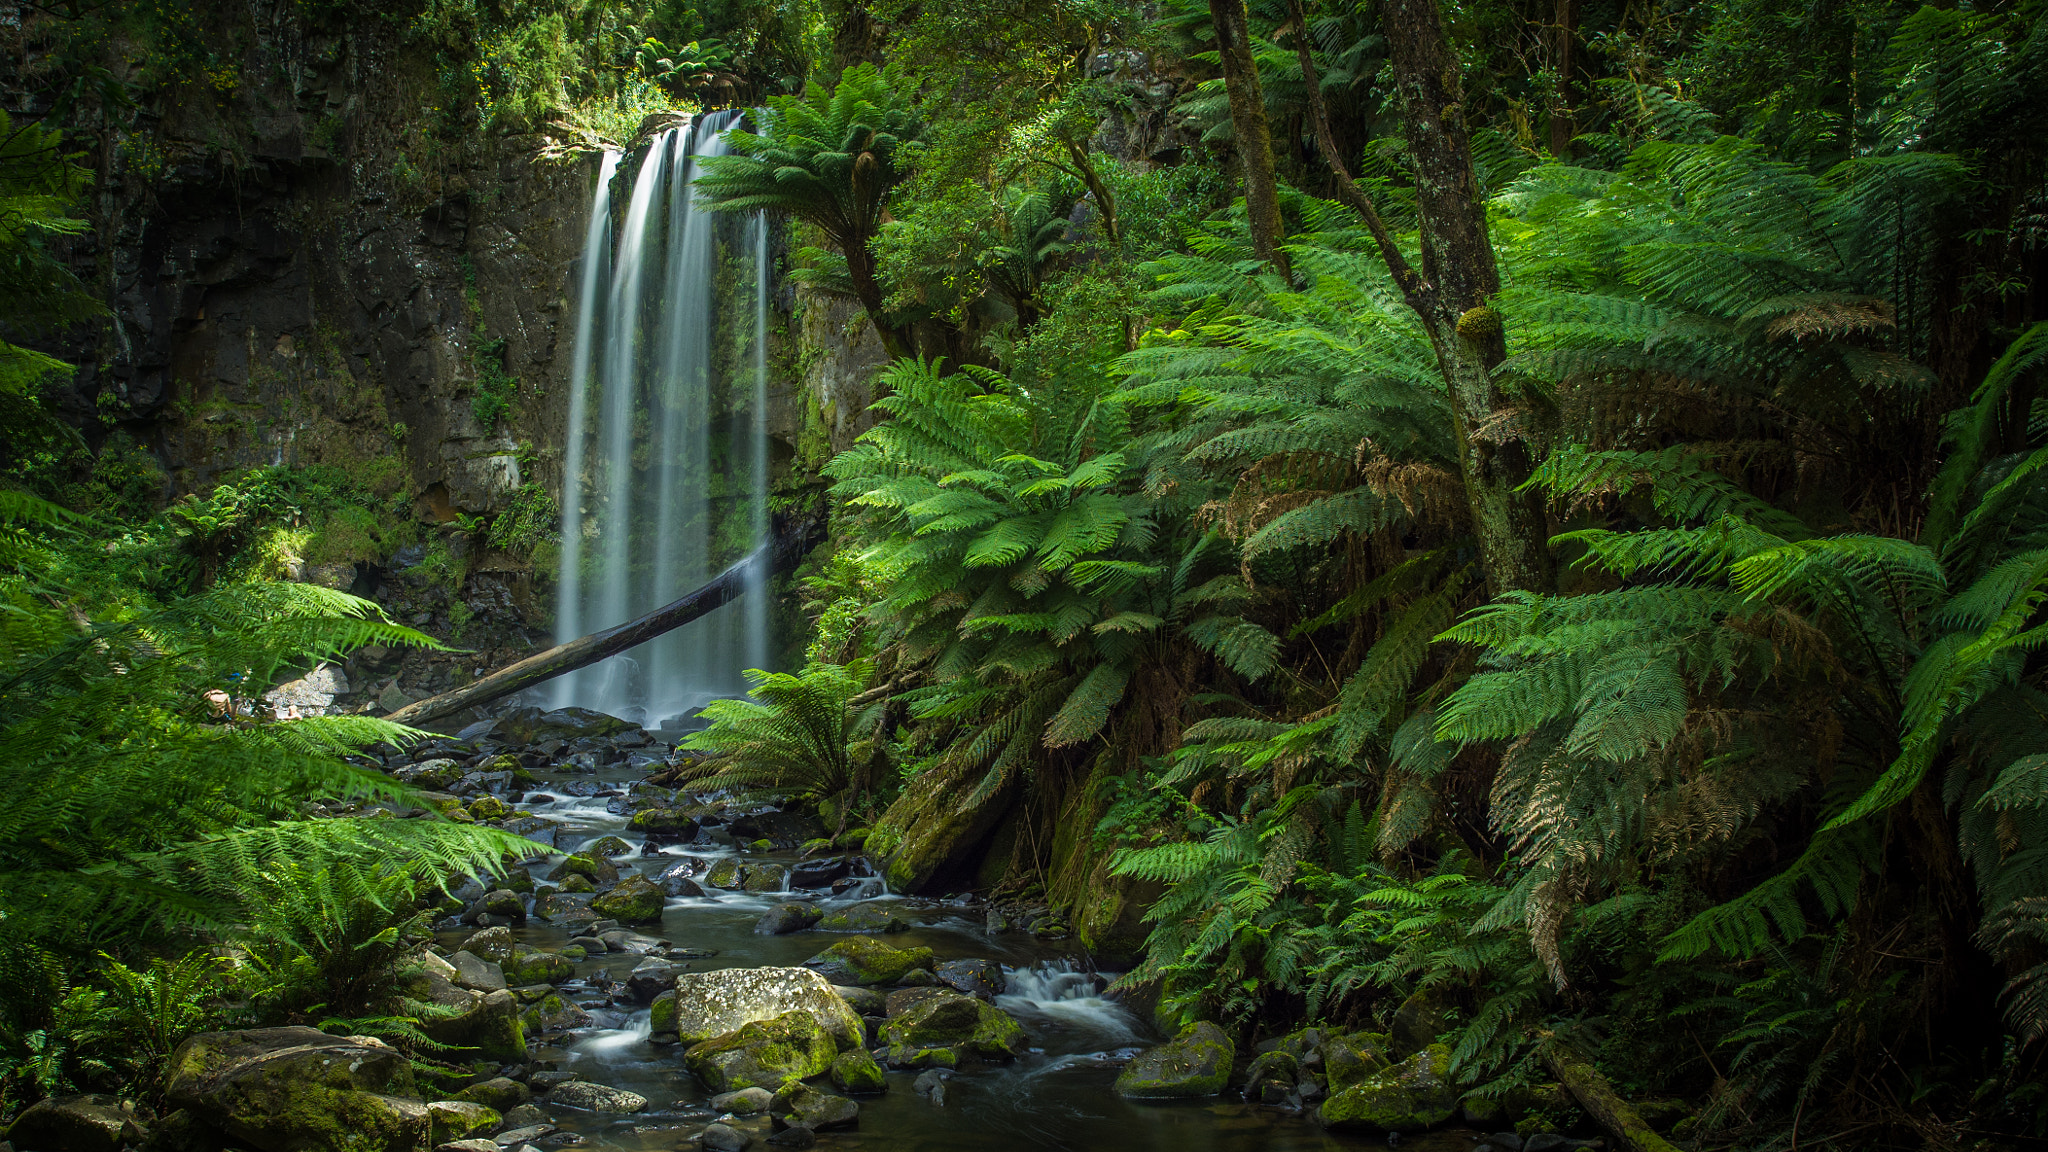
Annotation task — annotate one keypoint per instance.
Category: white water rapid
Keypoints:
(666, 464)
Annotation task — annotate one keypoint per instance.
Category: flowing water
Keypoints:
(1058, 1096)
(666, 460)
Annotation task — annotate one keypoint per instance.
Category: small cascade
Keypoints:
(667, 463)
(1064, 995)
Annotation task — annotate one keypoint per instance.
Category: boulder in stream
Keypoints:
(1411, 1096)
(865, 960)
(88, 1123)
(595, 1097)
(490, 1025)
(530, 725)
(1195, 1063)
(785, 829)
(948, 1019)
(650, 978)
(472, 971)
(286, 1089)
(533, 966)
(745, 1102)
(554, 1014)
(710, 1004)
(765, 878)
(726, 873)
(666, 825)
(493, 944)
(601, 872)
(865, 1001)
(764, 1053)
(786, 917)
(452, 1120)
(856, 1071)
(869, 916)
(982, 978)
(721, 1138)
(1349, 1060)
(635, 901)
(498, 1093)
(798, 1104)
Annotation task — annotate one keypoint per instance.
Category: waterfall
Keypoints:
(671, 484)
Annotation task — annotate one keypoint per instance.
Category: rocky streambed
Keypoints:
(679, 972)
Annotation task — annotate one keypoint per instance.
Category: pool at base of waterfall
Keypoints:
(1056, 1095)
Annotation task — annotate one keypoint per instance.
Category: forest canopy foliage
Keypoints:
(1529, 513)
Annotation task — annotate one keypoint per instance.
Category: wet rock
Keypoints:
(595, 1097)
(554, 1014)
(282, 1089)
(983, 978)
(904, 999)
(87, 1123)
(866, 917)
(650, 978)
(794, 1136)
(666, 825)
(591, 945)
(434, 775)
(531, 725)
(597, 869)
(785, 829)
(474, 972)
(765, 878)
(579, 884)
(917, 978)
(566, 908)
(1195, 1063)
(786, 917)
(1274, 1065)
(1411, 1096)
(520, 1137)
(661, 1015)
(528, 1116)
(533, 966)
(503, 906)
(452, 1120)
(931, 1084)
(727, 873)
(620, 940)
(546, 1080)
(1349, 1060)
(498, 1093)
(538, 829)
(710, 1004)
(607, 847)
(864, 960)
(488, 808)
(490, 1025)
(764, 1053)
(745, 1102)
(719, 1138)
(921, 1057)
(635, 901)
(474, 1144)
(865, 1001)
(799, 1105)
(855, 1071)
(951, 1020)
(817, 873)
(1545, 1142)
(1418, 1021)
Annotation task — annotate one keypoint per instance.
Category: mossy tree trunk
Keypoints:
(1248, 123)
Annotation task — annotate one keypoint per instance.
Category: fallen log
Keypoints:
(1601, 1101)
(792, 541)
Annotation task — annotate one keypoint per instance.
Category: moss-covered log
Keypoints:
(1602, 1102)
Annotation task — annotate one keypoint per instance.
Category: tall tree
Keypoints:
(1248, 124)
(1452, 289)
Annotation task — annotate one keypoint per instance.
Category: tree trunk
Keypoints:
(1602, 1102)
(1248, 123)
(867, 288)
(791, 543)
(1458, 279)
(1564, 32)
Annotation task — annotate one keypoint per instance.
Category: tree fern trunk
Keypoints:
(1248, 123)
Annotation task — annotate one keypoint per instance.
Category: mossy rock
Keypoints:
(797, 1104)
(572, 953)
(1420, 1019)
(575, 883)
(1195, 1063)
(607, 847)
(939, 837)
(453, 1120)
(1353, 1059)
(727, 873)
(598, 870)
(292, 1088)
(1411, 1096)
(635, 901)
(488, 808)
(952, 1020)
(913, 1058)
(491, 1026)
(764, 1054)
(765, 878)
(661, 1016)
(867, 916)
(533, 966)
(516, 880)
(865, 960)
(663, 824)
(554, 1014)
(857, 1072)
(498, 1093)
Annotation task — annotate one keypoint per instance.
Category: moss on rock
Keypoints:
(949, 1019)
(533, 966)
(856, 1071)
(453, 1120)
(1195, 1063)
(637, 900)
(865, 960)
(1411, 1096)
(764, 1054)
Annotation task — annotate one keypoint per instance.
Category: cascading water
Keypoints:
(665, 490)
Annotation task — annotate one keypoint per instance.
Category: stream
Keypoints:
(1057, 1096)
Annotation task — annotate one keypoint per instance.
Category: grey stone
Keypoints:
(596, 1097)
(745, 1102)
(472, 971)
(720, 1138)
